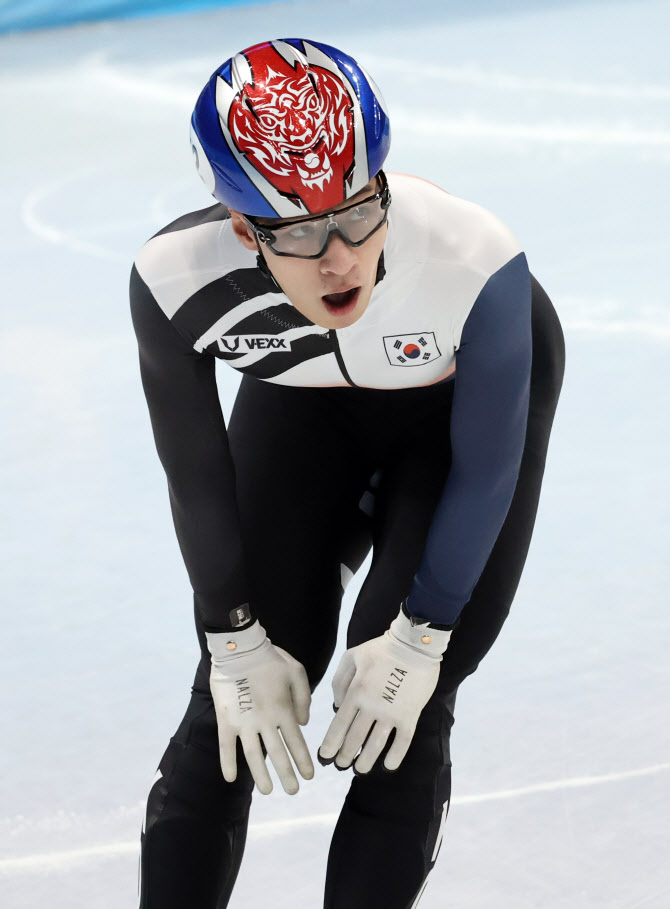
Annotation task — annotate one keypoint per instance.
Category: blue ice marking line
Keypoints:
(17, 15)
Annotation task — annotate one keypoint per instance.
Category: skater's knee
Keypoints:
(189, 781)
(415, 792)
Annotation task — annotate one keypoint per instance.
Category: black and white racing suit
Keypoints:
(420, 430)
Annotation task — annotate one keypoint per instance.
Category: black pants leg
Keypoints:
(195, 826)
(389, 831)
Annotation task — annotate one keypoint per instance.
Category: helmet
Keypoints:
(289, 127)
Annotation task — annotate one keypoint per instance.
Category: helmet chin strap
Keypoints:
(265, 271)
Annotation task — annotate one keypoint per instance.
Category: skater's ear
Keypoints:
(242, 230)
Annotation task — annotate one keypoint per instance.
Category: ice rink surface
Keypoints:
(554, 116)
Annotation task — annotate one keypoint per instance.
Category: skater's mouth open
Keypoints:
(342, 303)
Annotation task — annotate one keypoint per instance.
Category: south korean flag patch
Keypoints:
(411, 350)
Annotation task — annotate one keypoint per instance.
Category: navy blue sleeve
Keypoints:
(488, 428)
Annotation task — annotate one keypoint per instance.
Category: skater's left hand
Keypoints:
(384, 683)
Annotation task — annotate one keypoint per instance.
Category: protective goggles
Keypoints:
(308, 239)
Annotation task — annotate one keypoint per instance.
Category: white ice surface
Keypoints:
(554, 116)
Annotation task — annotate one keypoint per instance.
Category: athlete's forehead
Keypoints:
(362, 194)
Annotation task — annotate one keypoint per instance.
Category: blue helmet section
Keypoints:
(221, 171)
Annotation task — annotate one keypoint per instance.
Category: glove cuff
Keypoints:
(225, 645)
(419, 635)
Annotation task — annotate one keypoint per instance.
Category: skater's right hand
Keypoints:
(259, 690)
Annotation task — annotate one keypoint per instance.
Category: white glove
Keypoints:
(384, 683)
(259, 690)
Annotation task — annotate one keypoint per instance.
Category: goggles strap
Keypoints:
(264, 269)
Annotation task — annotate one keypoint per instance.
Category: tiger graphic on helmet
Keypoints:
(296, 128)
(287, 128)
